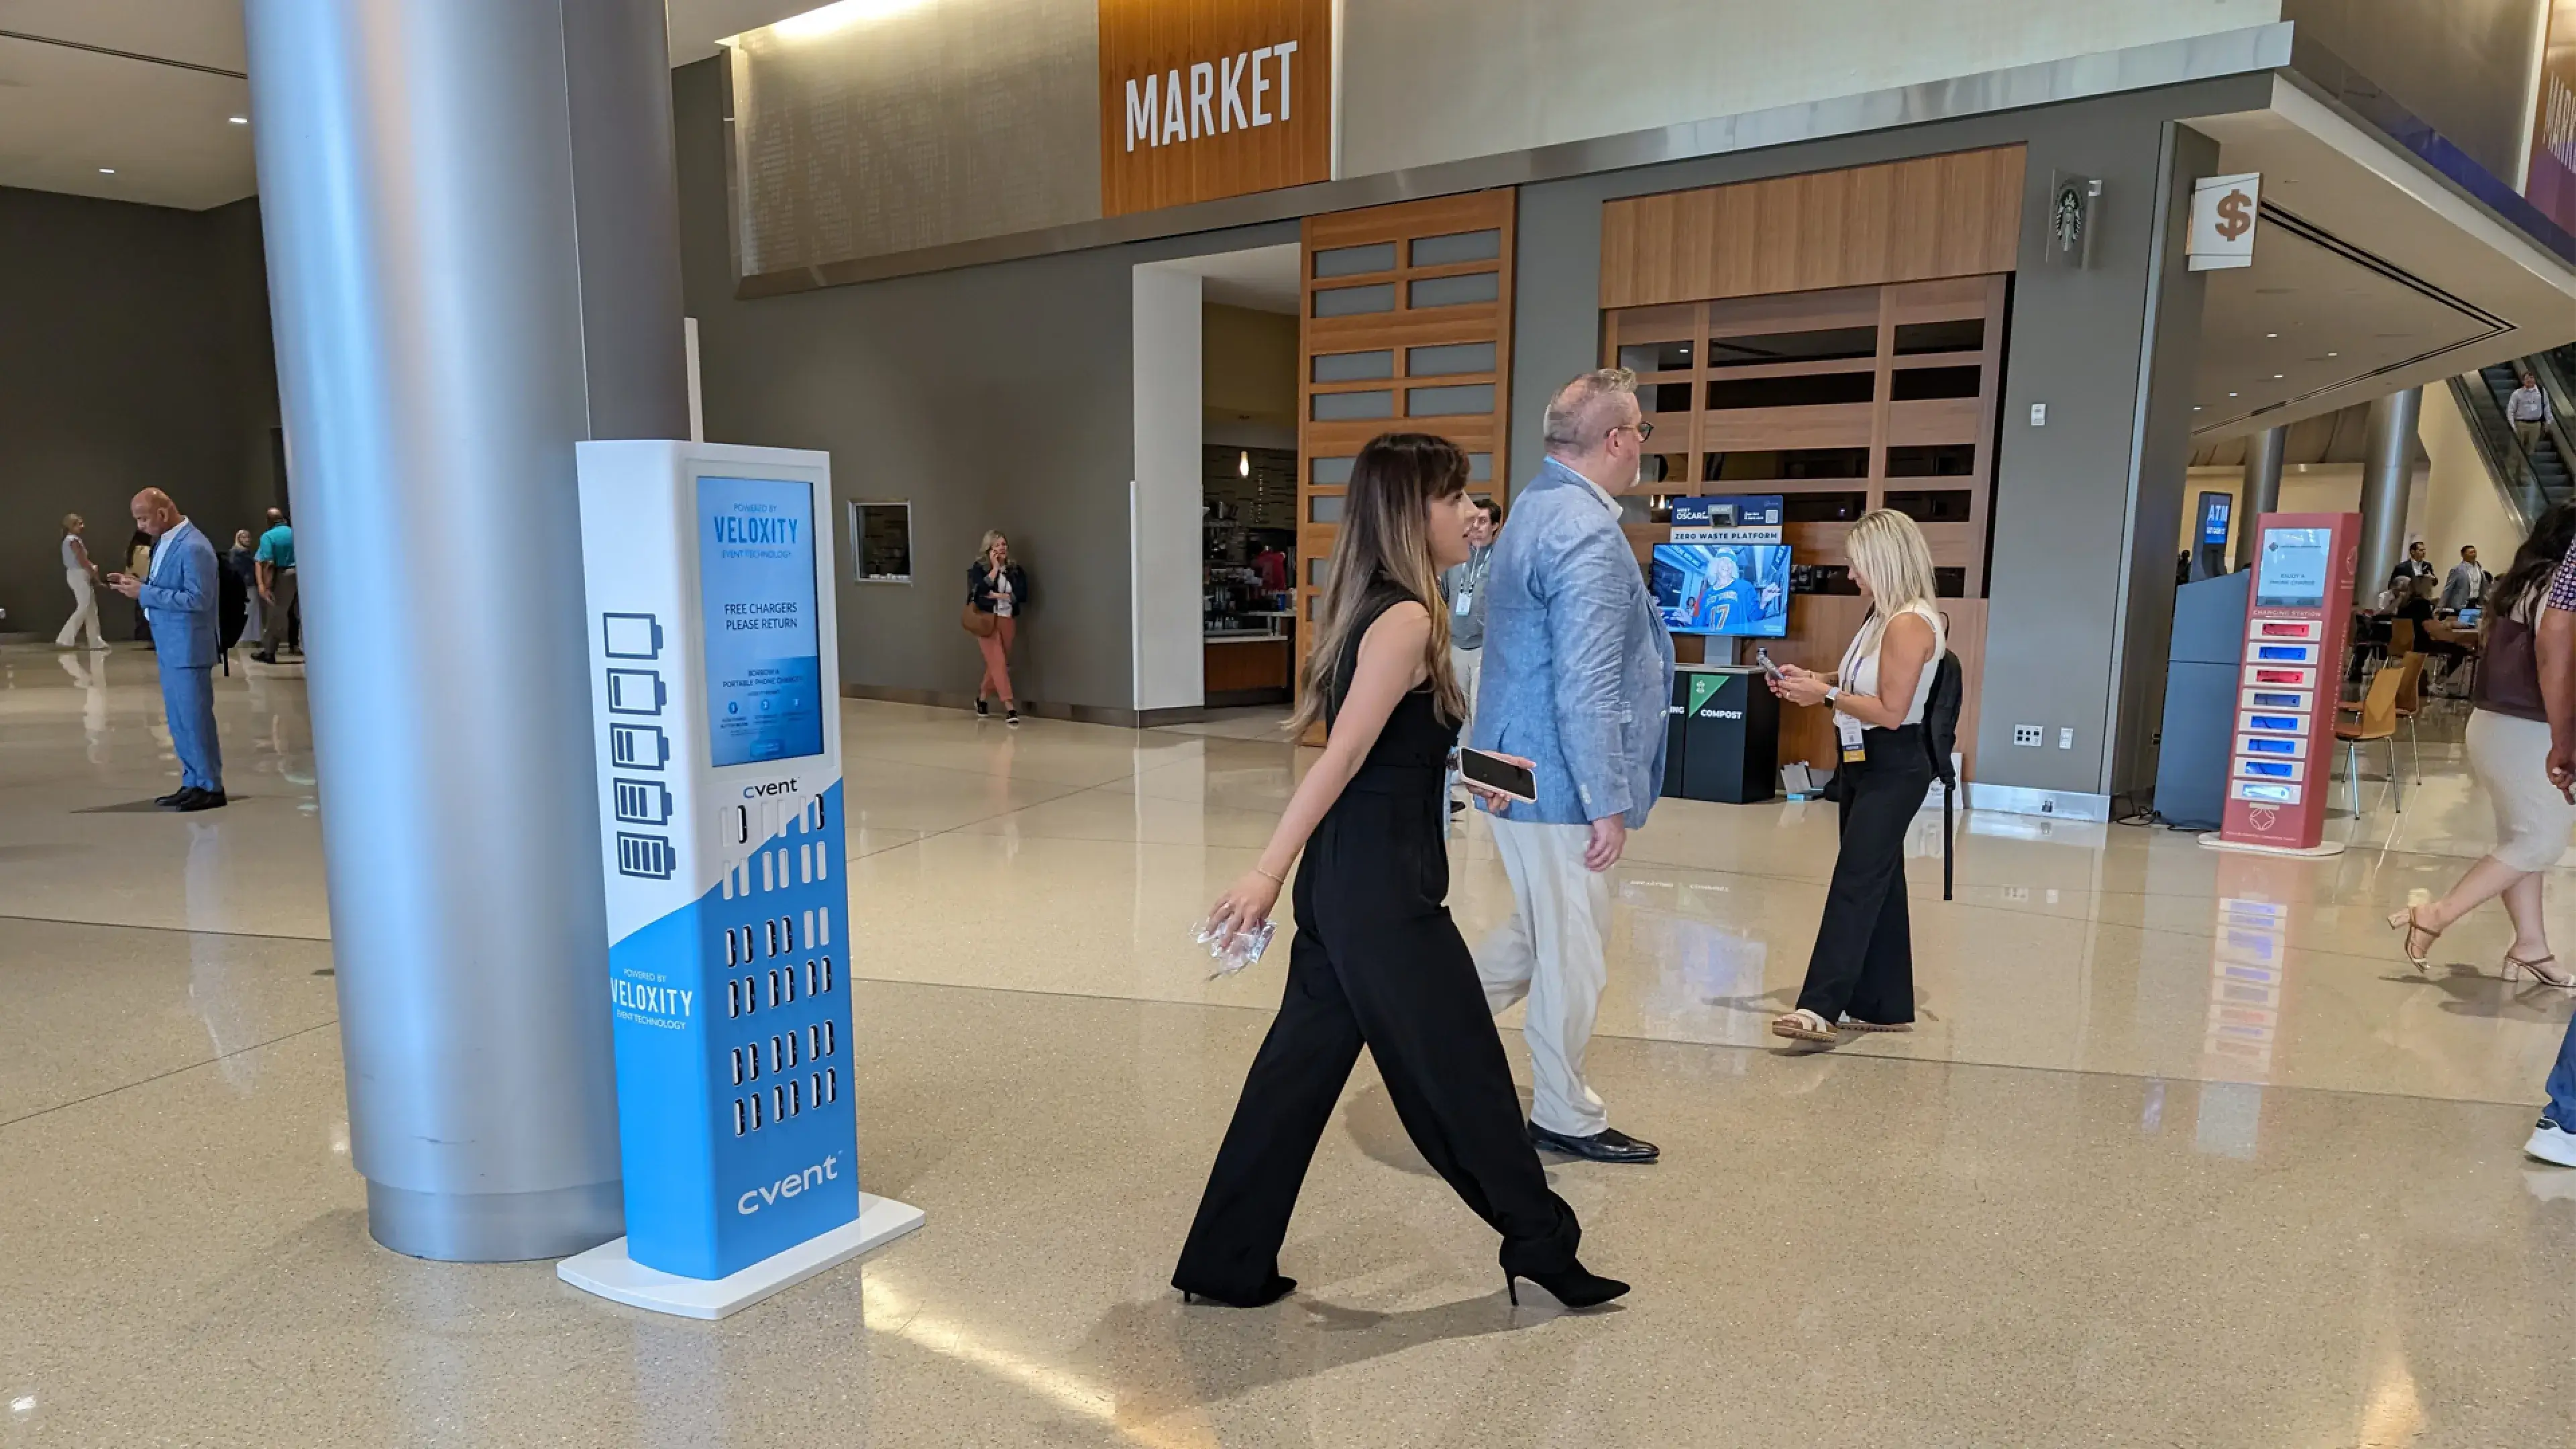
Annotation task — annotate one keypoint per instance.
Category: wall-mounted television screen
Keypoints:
(1737, 589)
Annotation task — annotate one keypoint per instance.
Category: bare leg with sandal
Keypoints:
(2532, 823)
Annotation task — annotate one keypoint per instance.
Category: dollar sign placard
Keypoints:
(2235, 215)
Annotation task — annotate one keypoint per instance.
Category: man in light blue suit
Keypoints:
(179, 600)
(1577, 672)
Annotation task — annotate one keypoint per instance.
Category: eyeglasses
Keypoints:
(1643, 430)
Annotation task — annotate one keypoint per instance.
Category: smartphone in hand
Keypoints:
(1506, 777)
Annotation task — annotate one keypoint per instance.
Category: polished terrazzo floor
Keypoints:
(2181, 1156)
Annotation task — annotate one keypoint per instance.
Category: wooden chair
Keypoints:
(2401, 637)
(2410, 703)
(2378, 721)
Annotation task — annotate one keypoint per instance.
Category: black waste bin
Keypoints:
(1730, 734)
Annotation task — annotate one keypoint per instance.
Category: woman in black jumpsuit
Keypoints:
(1377, 959)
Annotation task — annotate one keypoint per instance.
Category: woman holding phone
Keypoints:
(1377, 961)
(1861, 976)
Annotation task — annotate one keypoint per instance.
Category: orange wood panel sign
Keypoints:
(1208, 98)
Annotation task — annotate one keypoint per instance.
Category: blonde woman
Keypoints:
(1377, 961)
(997, 591)
(81, 572)
(1861, 976)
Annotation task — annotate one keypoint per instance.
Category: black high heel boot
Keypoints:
(1575, 1287)
(1278, 1288)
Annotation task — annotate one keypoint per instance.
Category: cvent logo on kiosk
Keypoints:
(773, 787)
(789, 1186)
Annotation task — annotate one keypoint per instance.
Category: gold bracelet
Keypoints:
(1265, 875)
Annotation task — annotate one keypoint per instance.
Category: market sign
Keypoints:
(1207, 98)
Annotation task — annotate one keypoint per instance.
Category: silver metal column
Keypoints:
(2387, 473)
(2263, 472)
(418, 175)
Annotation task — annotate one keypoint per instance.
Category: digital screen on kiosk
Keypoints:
(2293, 574)
(764, 666)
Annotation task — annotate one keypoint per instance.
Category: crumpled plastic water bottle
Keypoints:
(1235, 949)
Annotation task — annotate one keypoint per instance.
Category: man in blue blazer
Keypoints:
(1577, 671)
(179, 599)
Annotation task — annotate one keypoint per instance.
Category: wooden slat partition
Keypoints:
(1396, 329)
(1903, 221)
(1696, 439)
(1859, 254)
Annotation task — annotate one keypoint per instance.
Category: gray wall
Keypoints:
(133, 353)
(2062, 607)
(991, 397)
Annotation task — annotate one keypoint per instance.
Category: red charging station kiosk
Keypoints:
(2298, 620)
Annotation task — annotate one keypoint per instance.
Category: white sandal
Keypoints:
(1802, 1025)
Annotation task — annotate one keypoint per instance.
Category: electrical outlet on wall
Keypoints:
(2066, 737)
(2027, 735)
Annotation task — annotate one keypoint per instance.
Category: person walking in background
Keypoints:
(276, 563)
(2508, 746)
(2467, 582)
(2410, 568)
(81, 572)
(138, 562)
(1377, 961)
(243, 560)
(1860, 976)
(1464, 589)
(2528, 410)
(1576, 673)
(179, 596)
(997, 590)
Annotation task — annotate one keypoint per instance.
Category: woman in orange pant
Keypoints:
(996, 591)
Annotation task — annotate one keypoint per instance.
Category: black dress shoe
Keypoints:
(201, 800)
(1607, 1145)
(1278, 1288)
(174, 797)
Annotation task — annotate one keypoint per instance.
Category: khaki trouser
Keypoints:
(84, 612)
(275, 612)
(1554, 951)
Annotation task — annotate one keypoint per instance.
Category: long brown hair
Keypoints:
(1394, 481)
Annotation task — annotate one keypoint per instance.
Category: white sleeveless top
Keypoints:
(1860, 671)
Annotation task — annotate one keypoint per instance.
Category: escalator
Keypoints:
(2532, 480)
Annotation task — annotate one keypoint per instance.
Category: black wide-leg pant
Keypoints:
(1377, 961)
(1864, 957)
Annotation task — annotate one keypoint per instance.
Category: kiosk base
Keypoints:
(608, 1272)
(2214, 841)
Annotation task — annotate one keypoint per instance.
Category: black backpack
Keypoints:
(1940, 738)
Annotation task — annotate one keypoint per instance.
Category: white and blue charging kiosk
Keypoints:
(714, 683)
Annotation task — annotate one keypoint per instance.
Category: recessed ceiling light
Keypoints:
(238, 120)
(107, 171)
(2231, 394)
(2276, 377)
(2334, 354)
(2271, 334)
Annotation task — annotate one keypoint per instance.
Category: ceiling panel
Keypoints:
(66, 111)
(199, 32)
(64, 114)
